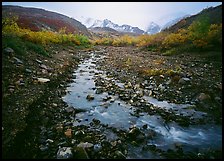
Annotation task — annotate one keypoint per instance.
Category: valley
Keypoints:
(72, 92)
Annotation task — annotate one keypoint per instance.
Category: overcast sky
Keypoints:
(137, 14)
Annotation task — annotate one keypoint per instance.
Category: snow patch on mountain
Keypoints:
(92, 23)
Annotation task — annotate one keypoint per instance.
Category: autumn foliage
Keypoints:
(10, 27)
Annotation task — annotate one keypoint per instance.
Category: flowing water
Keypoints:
(118, 114)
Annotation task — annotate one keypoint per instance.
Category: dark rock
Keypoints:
(43, 148)
(80, 153)
(90, 97)
(145, 126)
(95, 121)
(99, 91)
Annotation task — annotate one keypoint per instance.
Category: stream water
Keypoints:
(118, 114)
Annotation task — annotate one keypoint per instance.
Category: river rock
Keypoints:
(97, 147)
(42, 66)
(90, 97)
(69, 109)
(183, 80)
(43, 147)
(203, 97)
(133, 133)
(17, 61)
(68, 133)
(28, 70)
(59, 127)
(8, 51)
(43, 80)
(85, 145)
(99, 91)
(169, 82)
(161, 87)
(38, 61)
(64, 153)
(120, 155)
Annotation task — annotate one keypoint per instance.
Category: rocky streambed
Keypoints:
(105, 107)
(130, 122)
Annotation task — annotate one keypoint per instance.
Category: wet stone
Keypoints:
(17, 61)
(145, 126)
(64, 153)
(99, 91)
(28, 70)
(97, 147)
(90, 97)
(69, 109)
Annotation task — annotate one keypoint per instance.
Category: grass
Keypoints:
(21, 46)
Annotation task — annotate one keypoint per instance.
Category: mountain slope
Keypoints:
(213, 13)
(39, 19)
(174, 21)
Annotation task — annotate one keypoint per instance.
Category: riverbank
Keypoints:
(29, 81)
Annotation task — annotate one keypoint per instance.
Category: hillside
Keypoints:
(41, 19)
(214, 14)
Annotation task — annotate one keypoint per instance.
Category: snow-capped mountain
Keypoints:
(153, 28)
(91, 23)
(87, 21)
(174, 21)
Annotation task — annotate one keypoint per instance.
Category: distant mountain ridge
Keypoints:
(38, 19)
(92, 23)
(153, 28)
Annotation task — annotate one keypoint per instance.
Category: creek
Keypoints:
(118, 114)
